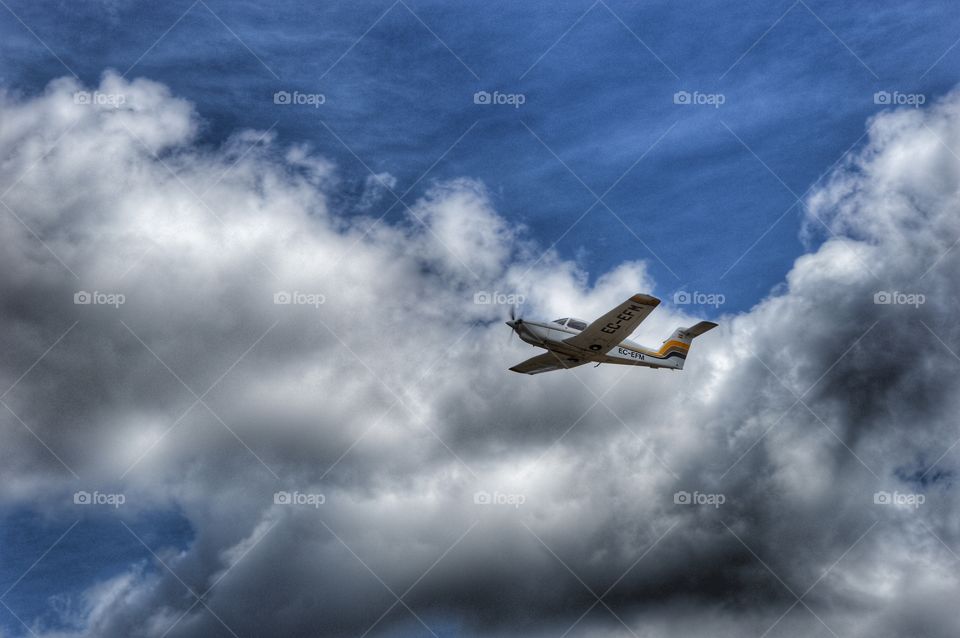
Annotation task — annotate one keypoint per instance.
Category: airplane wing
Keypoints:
(615, 326)
(546, 362)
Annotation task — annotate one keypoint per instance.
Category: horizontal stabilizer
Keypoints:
(699, 329)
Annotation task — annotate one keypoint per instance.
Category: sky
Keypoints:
(185, 453)
(598, 116)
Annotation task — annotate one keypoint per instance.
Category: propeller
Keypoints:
(514, 323)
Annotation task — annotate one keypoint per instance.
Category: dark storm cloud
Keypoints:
(386, 392)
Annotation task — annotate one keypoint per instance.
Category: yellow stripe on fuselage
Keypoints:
(671, 344)
(663, 350)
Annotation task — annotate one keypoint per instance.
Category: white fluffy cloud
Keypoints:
(392, 398)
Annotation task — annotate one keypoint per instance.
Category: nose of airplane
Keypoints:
(510, 323)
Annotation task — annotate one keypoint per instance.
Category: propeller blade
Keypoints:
(514, 323)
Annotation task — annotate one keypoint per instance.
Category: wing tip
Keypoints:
(647, 300)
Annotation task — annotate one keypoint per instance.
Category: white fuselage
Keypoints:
(552, 335)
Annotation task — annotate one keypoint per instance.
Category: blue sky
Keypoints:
(797, 80)
(76, 552)
(707, 196)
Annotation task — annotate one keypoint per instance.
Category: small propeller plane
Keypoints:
(571, 342)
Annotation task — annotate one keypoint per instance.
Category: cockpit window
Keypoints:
(576, 324)
(561, 321)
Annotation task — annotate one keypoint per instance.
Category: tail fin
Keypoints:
(678, 344)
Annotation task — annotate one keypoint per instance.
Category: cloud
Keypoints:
(379, 383)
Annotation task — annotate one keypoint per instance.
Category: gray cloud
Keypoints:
(392, 399)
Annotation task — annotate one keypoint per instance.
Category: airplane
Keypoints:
(571, 342)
